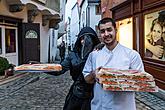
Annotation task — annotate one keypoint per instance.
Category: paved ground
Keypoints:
(146, 101)
(40, 91)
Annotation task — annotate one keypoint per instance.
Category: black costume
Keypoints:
(80, 93)
(62, 50)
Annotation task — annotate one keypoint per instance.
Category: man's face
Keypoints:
(108, 33)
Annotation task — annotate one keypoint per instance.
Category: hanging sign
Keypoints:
(31, 34)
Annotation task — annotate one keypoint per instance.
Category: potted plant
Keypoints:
(6, 68)
(4, 64)
(10, 70)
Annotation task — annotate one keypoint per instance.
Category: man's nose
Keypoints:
(106, 32)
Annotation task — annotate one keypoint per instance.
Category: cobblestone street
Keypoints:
(30, 93)
(39, 91)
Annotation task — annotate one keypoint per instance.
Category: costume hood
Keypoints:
(90, 37)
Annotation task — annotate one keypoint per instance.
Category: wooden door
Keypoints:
(30, 42)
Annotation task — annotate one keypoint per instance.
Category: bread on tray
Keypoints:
(126, 80)
(39, 67)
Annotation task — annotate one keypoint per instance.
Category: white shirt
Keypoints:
(120, 58)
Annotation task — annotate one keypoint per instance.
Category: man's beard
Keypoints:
(111, 37)
(110, 43)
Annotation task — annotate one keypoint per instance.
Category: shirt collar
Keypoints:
(109, 51)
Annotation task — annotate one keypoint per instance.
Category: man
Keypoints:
(112, 55)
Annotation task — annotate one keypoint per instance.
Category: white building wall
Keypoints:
(68, 10)
(68, 39)
(53, 44)
(88, 15)
(94, 19)
(44, 39)
(62, 12)
(68, 7)
(74, 26)
(83, 17)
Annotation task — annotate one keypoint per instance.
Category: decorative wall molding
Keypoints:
(32, 14)
(16, 7)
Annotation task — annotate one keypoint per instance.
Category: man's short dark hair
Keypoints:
(106, 20)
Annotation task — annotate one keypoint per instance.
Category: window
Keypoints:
(0, 41)
(125, 32)
(10, 40)
(98, 9)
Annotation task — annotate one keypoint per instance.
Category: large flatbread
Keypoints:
(38, 67)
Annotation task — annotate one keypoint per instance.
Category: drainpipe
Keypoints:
(88, 15)
(49, 50)
(79, 13)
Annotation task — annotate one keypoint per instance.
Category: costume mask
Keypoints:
(87, 46)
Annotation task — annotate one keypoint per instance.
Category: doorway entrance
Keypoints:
(30, 42)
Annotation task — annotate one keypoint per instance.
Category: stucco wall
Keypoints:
(44, 30)
(83, 17)
(74, 24)
(94, 19)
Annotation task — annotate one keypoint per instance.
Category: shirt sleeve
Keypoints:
(66, 64)
(88, 66)
(136, 61)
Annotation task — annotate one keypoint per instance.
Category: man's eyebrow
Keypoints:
(109, 28)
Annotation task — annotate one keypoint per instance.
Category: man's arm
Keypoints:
(66, 65)
(136, 61)
(89, 74)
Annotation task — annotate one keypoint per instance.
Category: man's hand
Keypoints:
(99, 46)
(91, 78)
